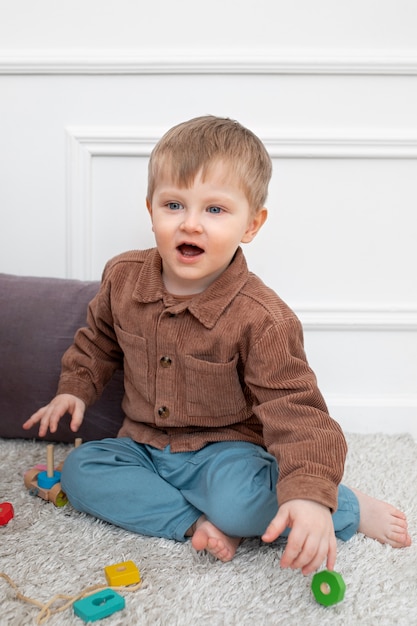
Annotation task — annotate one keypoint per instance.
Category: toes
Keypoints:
(218, 549)
(212, 544)
(208, 537)
(399, 539)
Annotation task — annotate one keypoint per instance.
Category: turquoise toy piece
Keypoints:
(99, 605)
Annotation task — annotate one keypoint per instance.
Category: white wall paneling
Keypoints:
(330, 87)
(364, 352)
(84, 144)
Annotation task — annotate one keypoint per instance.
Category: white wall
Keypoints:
(86, 88)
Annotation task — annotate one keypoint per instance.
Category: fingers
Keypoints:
(311, 540)
(38, 417)
(275, 528)
(332, 554)
(32, 420)
(48, 416)
(77, 416)
(308, 555)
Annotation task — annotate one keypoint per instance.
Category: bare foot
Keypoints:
(381, 521)
(207, 537)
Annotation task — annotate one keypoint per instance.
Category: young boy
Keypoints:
(224, 419)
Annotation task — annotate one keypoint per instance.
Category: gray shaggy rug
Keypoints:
(47, 551)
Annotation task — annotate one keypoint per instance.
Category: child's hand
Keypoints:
(49, 415)
(312, 538)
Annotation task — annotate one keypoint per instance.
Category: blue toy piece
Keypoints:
(99, 605)
(44, 481)
(47, 482)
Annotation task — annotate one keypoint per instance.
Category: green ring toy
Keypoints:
(328, 587)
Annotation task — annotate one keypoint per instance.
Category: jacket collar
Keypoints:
(207, 306)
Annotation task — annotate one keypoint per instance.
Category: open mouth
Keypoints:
(189, 250)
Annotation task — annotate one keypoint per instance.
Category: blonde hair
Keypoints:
(199, 143)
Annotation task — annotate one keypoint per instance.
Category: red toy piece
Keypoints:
(6, 513)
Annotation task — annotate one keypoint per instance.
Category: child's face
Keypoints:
(199, 228)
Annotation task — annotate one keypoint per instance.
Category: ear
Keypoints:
(149, 207)
(255, 225)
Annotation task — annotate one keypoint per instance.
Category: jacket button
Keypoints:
(163, 412)
(165, 361)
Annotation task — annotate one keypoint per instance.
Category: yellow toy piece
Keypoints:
(122, 574)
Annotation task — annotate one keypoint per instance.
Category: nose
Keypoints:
(192, 222)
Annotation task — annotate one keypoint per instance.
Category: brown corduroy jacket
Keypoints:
(224, 365)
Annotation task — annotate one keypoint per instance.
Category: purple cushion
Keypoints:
(38, 320)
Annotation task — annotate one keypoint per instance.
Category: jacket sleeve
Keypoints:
(91, 360)
(308, 444)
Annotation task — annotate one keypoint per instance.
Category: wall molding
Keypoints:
(369, 415)
(333, 144)
(83, 145)
(281, 143)
(86, 143)
(384, 318)
(195, 61)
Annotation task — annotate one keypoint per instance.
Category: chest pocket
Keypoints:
(135, 362)
(213, 389)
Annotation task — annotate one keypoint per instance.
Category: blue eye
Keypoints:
(215, 210)
(174, 206)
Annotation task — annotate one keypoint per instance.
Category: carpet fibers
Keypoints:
(47, 551)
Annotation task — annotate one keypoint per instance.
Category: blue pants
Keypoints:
(161, 494)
